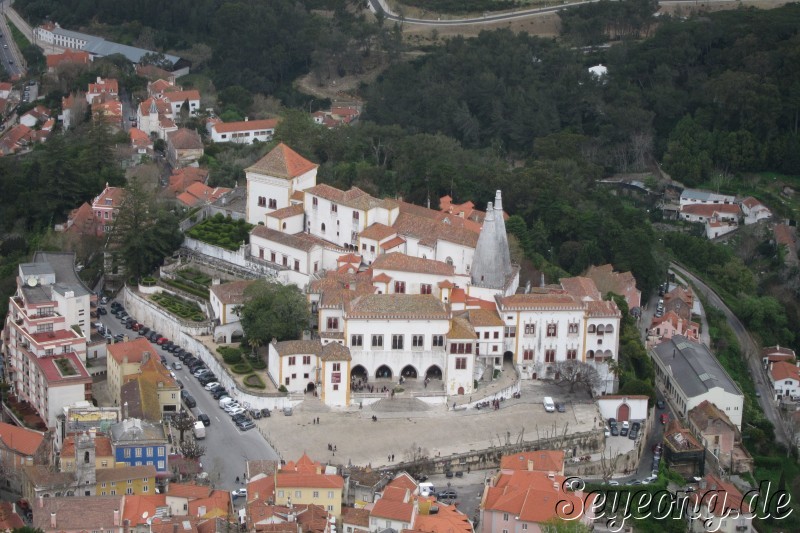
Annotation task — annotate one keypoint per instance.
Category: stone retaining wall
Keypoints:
(154, 317)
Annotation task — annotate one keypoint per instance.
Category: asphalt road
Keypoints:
(377, 7)
(9, 56)
(227, 448)
(749, 348)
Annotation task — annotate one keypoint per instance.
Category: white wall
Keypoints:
(60, 397)
(290, 225)
(260, 185)
(608, 407)
(331, 397)
(339, 226)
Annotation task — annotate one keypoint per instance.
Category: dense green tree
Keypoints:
(273, 310)
(144, 232)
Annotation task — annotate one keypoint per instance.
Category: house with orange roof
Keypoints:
(273, 179)
(546, 461)
(153, 386)
(466, 210)
(336, 116)
(184, 524)
(184, 147)
(198, 194)
(37, 115)
(125, 360)
(161, 85)
(10, 519)
(182, 178)
(719, 506)
(178, 99)
(141, 143)
(307, 482)
(754, 211)
(242, 132)
(774, 354)
(67, 57)
(680, 300)
(103, 453)
(437, 517)
(18, 138)
(785, 379)
(21, 447)
(102, 87)
(670, 324)
(5, 89)
(80, 221)
(719, 435)
(106, 206)
(396, 509)
(154, 116)
(108, 110)
(529, 498)
(606, 279)
(140, 510)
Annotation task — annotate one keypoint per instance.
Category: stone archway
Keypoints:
(383, 372)
(433, 372)
(359, 372)
(310, 387)
(409, 372)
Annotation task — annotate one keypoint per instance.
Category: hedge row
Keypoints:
(230, 354)
(258, 364)
(242, 368)
(200, 293)
(255, 382)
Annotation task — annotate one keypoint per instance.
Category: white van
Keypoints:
(426, 489)
(549, 404)
(199, 430)
(225, 401)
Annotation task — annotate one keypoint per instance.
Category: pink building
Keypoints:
(667, 326)
(106, 206)
(45, 334)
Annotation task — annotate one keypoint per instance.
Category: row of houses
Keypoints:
(720, 213)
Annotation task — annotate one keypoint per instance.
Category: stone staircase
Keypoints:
(399, 404)
(312, 405)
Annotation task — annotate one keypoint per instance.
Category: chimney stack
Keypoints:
(125, 411)
(52, 520)
(40, 499)
(116, 518)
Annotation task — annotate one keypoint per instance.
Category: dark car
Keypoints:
(177, 353)
(448, 474)
(245, 425)
(202, 417)
(633, 434)
(239, 417)
(623, 432)
(447, 495)
(614, 430)
(152, 336)
(179, 383)
(219, 394)
(189, 401)
(102, 311)
(612, 422)
(561, 408)
(660, 404)
(636, 426)
(119, 337)
(167, 346)
(174, 348)
(207, 378)
(265, 412)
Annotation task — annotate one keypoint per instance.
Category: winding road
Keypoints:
(379, 6)
(749, 348)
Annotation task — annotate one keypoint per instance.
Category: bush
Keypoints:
(230, 355)
(242, 368)
(258, 364)
(254, 381)
(282, 389)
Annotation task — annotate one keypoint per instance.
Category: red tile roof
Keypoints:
(403, 481)
(720, 496)
(137, 506)
(199, 193)
(101, 442)
(108, 85)
(181, 96)
(531, 496)
(115, 194)
(133, 350)
(189, 491)
(378, 232)
(300, 479)
(783, 370)
(82, 220)
(538, 461)
(182, 178)
(246, 125)
(400, 306)
(282, 162)
(392, 243)
(393, 510)
(546, 298)
(22, 440)
(407, 263)
(9, 519)
(139, 138)
(185, 139)
(287, 212)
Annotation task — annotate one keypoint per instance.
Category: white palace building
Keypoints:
(409, 291)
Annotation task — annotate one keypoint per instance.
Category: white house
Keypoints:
(405, 274)
(550, 325)
(301, 252)
(242, 132)
(622, 407)
(155, 117)
(274, 179)
(754, 210)
(697, 196)
(785, 379)
(704, 212)
(225, 300)
(176, 100)
(688, 373)
(715, 227)
(340, 216)
(305, 366)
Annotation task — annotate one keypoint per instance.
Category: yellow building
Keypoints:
(150, 393)
(305, 482)
(125, 359)
(103, 453)
(138, 480)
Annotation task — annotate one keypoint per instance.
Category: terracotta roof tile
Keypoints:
(188, 491)
(392, 243)
(286, 212)
(282, 162)
(231, 293)
(783, 370)
(408, 263)
(408, 306)
(181, 96)
(430, 230)
(721, 497)
(393, 510)
(305, 480)
(299, 348)
(355, 197)
(101, 442)
(9, 519)
(185, 139)
(378, 232)
(545, 299)
(460, 329)
(246, 125)
(539, 461)
(355, 517)
(133, 350)
(122, 473)
(581, 287)
(333, 351)
(484, 318)
(92, 513)
(532, 496)
(25, 441)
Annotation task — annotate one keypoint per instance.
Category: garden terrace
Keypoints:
(191, 281)
(245, 369)
(178, 306)
(221, 231)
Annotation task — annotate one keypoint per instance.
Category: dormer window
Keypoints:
(109, 201)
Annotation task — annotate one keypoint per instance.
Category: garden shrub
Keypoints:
(254, 381)
(258, 364)
(230, 354)
(242, 368)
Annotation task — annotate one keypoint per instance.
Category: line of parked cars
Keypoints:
(626, 429)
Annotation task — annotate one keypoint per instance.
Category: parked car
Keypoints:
(245, 426)
(204, 418)
(612, 422)
(633, 434)
(614, 431)
(287, 411)
(119, 337)
(102, 311)
(163, 360)
(236, 411)
(162, 340)
(665, 418)
(660, 404)
(205, 379)
(447, 495)
(179, 383)
(657, 448)
(210, 386)
(623, 432)
(219, 394)
(176, 365)
(636, 426)
(237, 493)
(184, 394)
(626, 425)
(190, 401)
(167, 345)
(265, 412)
(561, 408)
